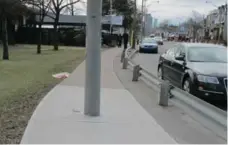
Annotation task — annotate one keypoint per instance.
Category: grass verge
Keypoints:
(24, 81)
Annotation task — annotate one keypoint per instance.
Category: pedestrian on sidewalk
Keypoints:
(119, 40)
(125, 38)
(137, 41)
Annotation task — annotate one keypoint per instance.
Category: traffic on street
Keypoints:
(113, 71)
(197, 68)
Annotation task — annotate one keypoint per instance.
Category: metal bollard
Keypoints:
(122, 56)
(136, 73)
(125, 63)
(164, 93)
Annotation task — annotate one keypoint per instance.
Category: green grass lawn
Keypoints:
(24, 81)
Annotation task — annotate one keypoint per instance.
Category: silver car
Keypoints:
(159, 40)
(148, 45)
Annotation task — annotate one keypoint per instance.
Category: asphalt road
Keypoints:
(176, 122)
(149, 61)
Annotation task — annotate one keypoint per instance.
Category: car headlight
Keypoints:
(207, 79)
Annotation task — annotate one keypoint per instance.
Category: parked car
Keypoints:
(165, 39)
(200, 69)
(148, 45)
(159, 40)
(171, 37)
(152, 35)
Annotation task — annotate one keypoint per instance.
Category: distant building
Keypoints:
(155, 22)
(148, 25)
(215, 23)
(182, 30)
(152, 22)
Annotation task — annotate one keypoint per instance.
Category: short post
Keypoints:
(136, 73)
(125, 63)
(122, 56)
(164, 93)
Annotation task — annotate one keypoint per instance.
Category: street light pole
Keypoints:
(142, 27)
(144, 5)
(145, 12)
(134, 25)
(111, 9)
(93, 58)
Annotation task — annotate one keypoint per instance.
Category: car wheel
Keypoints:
(186, 86)
(160, 73)
(140, 50)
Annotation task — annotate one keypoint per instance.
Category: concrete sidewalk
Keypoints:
(59, 116)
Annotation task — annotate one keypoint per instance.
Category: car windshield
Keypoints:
(148, 40)
(207, 54)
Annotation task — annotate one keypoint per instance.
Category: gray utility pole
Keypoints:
(225, 25)
(145, 12)
(111, 16)
(134, 24)
(93, 58)
(142, 25)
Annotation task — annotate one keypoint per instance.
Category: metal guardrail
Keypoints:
(212, 112)
(126, 57)
(216, 118)
(144, 73)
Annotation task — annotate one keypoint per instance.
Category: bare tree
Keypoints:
(195, 22)
(9, 9)
(41, 7)
(72, 9)
(56, 8)
(164, 24)
(197, 16)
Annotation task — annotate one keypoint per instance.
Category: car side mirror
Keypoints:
(180, 57)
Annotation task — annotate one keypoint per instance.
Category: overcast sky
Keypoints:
(179, 10)
(175, 10)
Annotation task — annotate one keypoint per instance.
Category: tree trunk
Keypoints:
(134, 30)
(218, 35)
(194, 34)
(134, 40)
(56, 34)
(5, 39)
(39, 39)
(72, 10)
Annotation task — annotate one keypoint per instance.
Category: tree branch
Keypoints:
(46, 9)
(61, 2)
(50, 16)
(64, 6)
(40, 4)
(52, 10)
(54, 3)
